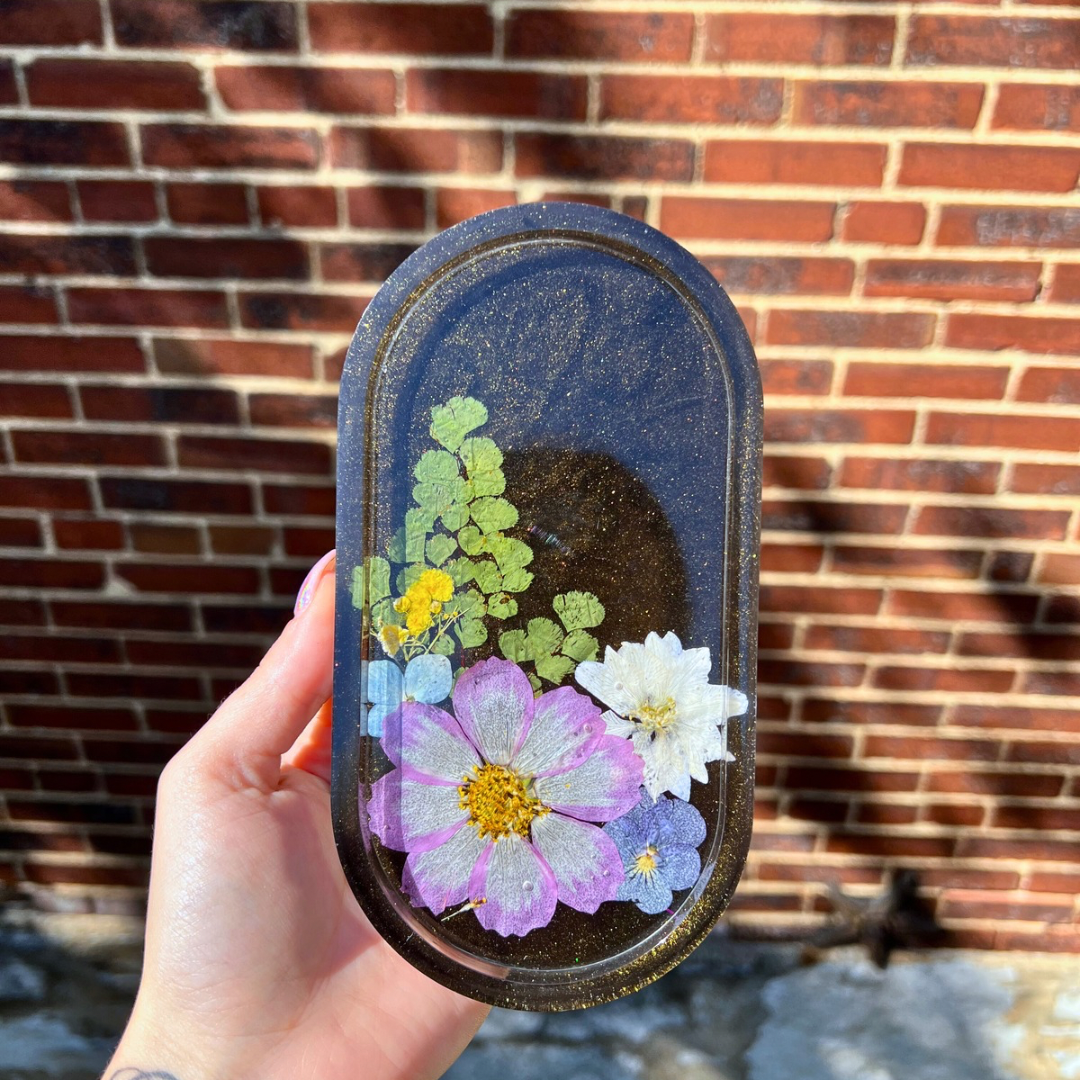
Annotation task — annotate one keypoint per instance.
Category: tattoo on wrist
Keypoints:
(132, 1073)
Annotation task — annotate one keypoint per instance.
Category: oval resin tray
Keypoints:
(548, 507)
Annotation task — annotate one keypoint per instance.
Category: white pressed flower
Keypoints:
(659, 696)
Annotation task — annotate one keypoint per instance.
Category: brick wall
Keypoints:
(198, 199)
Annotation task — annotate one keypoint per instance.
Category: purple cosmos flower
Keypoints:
(658, 843)
(493, 805)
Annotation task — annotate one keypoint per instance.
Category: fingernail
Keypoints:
(311, 582)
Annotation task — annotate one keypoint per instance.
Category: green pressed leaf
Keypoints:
(383, 613)
(395, 550)
(554, 668)
(437, 466)
(378, 578)
(439, 548)
(461, 570)
(517, 580)
(501, 606)
(509, 553)
(513, 646)
(471, 604)
(442, 496)
(578, 610)
(472, 540)
(450, 423)
(580, 645)
(487, 576)
(444, 646)
(418, 523)
(455, 515)
(534, 682)
(407, 577)
(483, 460)
(470, 633)
(358, 587)
(544, 637)
(493, 515)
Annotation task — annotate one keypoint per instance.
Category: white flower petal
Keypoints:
(584, 859)
(439, 878)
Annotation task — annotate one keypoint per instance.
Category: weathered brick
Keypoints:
(593, 35)
(800, 39)
(117, 200)
(296, 499)
(170, 256)
(412, 29)
(170, 405)
(992, 429)
(1009, 226)
(114, 84)
(1052, 385)
(925, 380)
(875, 639)
(991, 521)
(247, 540)
(1038, 108)
(977, 41)
(35, 399)
(25, 306)
(176, 496)
(27, 573)
(458, 204)
(88, 448)
(746, 219)
(1033, 479)
(293, 410)
(862, 329)
(691, 99)
(797, 472)
(405, 150)
(780, 275)
(34, 200)
(207, 204)
(796, 376)
(804, 599)
(920, 474)
(45, 492)
(884, 222)
(306, 89)
(101, 535)
(63, 142)
(50, 22)
(373, 207)
(298, 207)
(967, 606)
(945, 680)
(604, 157)
(182, 356)
(228, 146)
(906, 562)
(1035, 335)
(840, 425)
(165, 539)
(940, 279)
(33, 254)
(1059, 569)
(20, 532)
(888, 104)
(1066, 287)
(997, 168)
(148, 307)
(263, 455)
(790, 559)
(774, 162)
(189, 578)
(1044, 753)
(362, 262)
(808, 515)
(301, 311)
(495, 93)
(998, 783)
(207, 24)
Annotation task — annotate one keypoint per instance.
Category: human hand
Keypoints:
(259, 962)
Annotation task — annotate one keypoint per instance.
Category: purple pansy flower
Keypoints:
(658, 843)
(493, 804)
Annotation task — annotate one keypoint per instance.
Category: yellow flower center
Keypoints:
(424, 598)
(498, 802)
(655, 718)
(392, 638)
(645, 863)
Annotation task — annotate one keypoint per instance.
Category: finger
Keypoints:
(243, 742)
(312, 750)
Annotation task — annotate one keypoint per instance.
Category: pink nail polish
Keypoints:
(311, 582)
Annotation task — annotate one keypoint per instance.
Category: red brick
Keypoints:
(998, 784)
(207, 356)
(170, 256)
(217, 24)
(1054, 939)
(920, 474)
(907, 562)
(1066, 286)
(986, 332)
(299, 207)
(1054, 883)
(207, 204)
(973, 41)
(746, 219)
(176, 496)
(524, 94)
(1011, 566)
(991, 521)
(44, 492)
(888, 104)
(791, 162)
(609, 35)
(885, 814)
(863, 329)
(87, 813)
(88, 448)
(310, 543)
(1045, 753)
(293, 410)
(939, 279)
(234, 540)
(875, 639)
(803, 673)
(945, 680)
(805, 744)
(362, 262)
(1045, 479)
(28, 574)
(775, 636)
(800, 39)
(301, 311)
(925, 380)
(1009, 226)
(20, 532)
(26, 306)
(832, 517)
(22, 747)
(114, 84)
(1065, 683)
(188, 578)
(35, 399)
(34, 200)
(22, 612)
(63, 142)
(1054, 386)
(386, 207)
(974, 908)
(165, 539)
(201, 654)
(170, 405)
(19, 680)
(404, 150)
(243, 618)
(143, 751)
(138, 615)
(307, 89)
(690, 99)
(884, 222)
(88, 534)
(56, 649)
(891, 847)
(997, 168)
(957, 606)
(413, 29)
(264, 455)
(457, 204)
(1038, 108)
(847, 875)
(1060, 569)
(50, 22)
(780, 275)
(604, 157)
(117, 200)
(798, 377)
(803, 778)
(1020, 432)
(840, 425)
(804, 599)
(924, 747)
(33, 254)
(299, 500)
(954, 814)
(592, 199)
(225, 146)
(824, 810)
(148, 307)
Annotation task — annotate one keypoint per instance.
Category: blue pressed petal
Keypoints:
(688, 826)
(378, 713)
(680, 867)
(429, 678)
(651, 894)
(384, 682)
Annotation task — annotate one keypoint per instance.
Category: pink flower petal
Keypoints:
(493, 703)
(428, 743)
(601, 789)
(584, 859)
(407, 815)
(566, 727)
(439, 878)
(518, 889)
